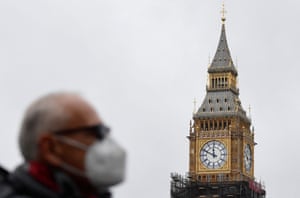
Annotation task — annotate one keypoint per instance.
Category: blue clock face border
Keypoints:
(213, 154)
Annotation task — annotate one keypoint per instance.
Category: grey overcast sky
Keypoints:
(141, 63)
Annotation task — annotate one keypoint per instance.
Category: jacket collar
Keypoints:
(53, 184)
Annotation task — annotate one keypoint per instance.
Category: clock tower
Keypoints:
(221, 138)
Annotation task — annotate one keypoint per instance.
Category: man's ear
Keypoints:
(49, 150)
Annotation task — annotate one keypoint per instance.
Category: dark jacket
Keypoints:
(20, 184)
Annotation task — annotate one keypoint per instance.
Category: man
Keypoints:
(67, 152)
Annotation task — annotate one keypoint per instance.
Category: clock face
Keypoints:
(247, 157)
(213, 154)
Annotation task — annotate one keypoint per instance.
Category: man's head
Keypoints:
(64, 132)
(51, 113)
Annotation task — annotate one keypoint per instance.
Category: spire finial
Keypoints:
(195, 106)
(249, 109)
(223, 12)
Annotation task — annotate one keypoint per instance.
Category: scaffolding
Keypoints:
(185, 187)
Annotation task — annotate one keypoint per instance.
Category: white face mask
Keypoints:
(104, 162)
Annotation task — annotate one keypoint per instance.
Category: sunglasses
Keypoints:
(99, 130)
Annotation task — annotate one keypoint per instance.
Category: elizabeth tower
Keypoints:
(221, 138)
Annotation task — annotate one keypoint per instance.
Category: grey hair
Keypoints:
(44, 115)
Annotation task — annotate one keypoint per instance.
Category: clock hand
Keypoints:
(248, 158)
(212, 154)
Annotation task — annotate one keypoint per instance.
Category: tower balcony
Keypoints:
(223, 88)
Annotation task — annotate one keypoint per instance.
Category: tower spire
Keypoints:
(222, 61)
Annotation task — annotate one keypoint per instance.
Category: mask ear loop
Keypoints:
(71, 142)
(75, 144)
